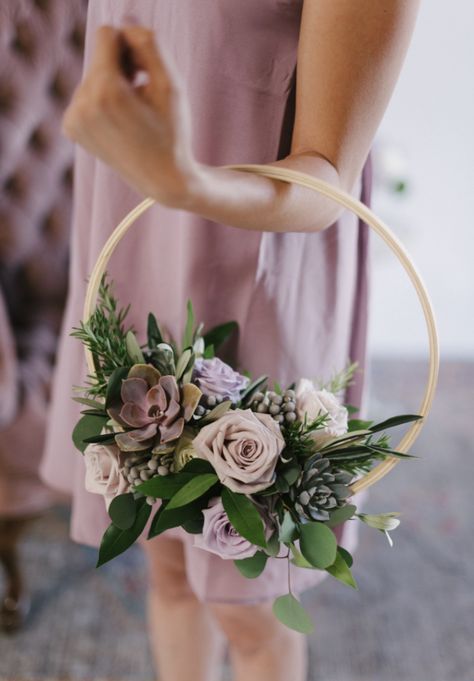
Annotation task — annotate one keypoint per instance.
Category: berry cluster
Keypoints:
(281, 406)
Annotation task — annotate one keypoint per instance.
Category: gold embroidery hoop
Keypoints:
(365, 214)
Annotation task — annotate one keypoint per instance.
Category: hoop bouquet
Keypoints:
(251, 468)
(173, 436)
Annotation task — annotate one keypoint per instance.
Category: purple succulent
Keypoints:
(150, 412)
(215, 377)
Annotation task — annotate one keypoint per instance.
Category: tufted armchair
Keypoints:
(41, 43)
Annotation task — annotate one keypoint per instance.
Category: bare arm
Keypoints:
(350, 54)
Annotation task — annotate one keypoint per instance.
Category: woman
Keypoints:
(221, 87)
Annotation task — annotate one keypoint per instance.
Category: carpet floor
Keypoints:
(412, 618)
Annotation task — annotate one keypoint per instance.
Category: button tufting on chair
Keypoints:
(41, 44)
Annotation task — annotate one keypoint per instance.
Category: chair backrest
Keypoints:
(41, 52)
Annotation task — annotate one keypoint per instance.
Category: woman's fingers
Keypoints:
(163, 77)
(106, 55)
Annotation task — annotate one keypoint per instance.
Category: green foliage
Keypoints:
(193, 489)
(341, 571)
(318, 544)
(105, 335)
(244, 516)
(189, 326)
(342, 379)
(164, 518)
(219, 334)
(291, 613)
(252, 567)
(154, 335)
(87, 427)
(251, 389)
(115, 541)
(123, 511)
(340, 515)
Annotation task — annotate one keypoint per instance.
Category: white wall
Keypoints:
(430, 126)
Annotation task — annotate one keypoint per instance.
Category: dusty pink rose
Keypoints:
(243, 448)
(313, 403)
(219, 536)
(103, 471)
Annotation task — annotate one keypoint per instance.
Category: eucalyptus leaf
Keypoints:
(340, 515)
(252, 567)
(244, 516)
(122, 511)
(345, 555)
(298, 559)
(291, 613)
(115, 541)
(192, 490)
(87, 427)
(318, 544)
(341, 571)
(273, 545)
(287, 528)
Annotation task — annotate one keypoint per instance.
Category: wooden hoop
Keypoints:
(365, 214)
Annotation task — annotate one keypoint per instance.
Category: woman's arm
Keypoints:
(350, 53)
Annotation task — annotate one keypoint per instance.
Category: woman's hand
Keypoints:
(131, 112)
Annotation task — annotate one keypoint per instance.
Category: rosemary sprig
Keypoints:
(104, 334)
(341, 380)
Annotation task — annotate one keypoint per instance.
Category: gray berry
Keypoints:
(134, 473)
(211, 401)
(150, 501)
(262, 408)
(258, 397)
(290, 416)
(279, 418)
(162, 470)
(289, 406)
(144, 475)
(274, 409)
(153, 464)
(277, 399)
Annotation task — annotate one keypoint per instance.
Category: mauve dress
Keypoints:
(300, 298)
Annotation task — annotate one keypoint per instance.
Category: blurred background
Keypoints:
(413, 616)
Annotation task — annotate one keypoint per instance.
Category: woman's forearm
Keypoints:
(254, 202)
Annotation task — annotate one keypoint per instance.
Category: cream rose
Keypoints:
(103, 472)
(313, 403)
(243, 448)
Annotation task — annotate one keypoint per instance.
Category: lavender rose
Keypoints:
(103, 472)
(313, 403)
(215, 377)
(220, 537)
(243, 448)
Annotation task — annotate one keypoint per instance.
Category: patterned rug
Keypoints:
(411, 620)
